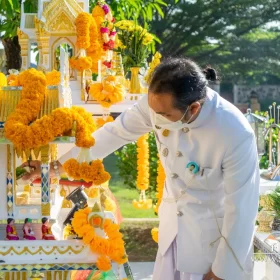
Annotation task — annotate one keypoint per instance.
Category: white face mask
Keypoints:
(163, 122)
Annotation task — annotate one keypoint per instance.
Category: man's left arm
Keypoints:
(241, 180)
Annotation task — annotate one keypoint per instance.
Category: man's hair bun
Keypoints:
(210, 74)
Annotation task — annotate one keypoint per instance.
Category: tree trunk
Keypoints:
(12, 52)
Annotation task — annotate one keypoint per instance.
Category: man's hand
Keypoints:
(211, 276)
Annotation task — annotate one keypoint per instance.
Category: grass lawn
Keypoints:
(139, 244)
(123, 194)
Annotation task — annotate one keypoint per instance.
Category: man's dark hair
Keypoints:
(182, 78)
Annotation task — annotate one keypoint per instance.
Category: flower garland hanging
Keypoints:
(89, 172)
(3, 80)
(95, 50)
(53, 78)
(143, 173)
(81, 63)
(152, 65)
(44, 130)
(160, 186)
(107, 93)
(110, 248)
(83, 22)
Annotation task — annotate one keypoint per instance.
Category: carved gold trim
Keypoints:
(67, 41)
(48, 251)
(46, 209)
(45, 154)
(9, 159)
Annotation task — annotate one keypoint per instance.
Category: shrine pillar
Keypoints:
(45, 181)
(43, 40)
(25, 49)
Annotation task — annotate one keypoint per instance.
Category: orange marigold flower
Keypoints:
(103, 263)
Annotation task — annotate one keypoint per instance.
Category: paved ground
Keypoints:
(144, 271)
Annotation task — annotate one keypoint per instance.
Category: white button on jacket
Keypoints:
(222, 143)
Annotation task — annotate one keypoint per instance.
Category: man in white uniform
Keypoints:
(210, 200)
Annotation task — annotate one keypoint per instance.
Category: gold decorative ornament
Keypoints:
(45, 155)
(47, 252)
(46, 209)
(135, 82)
(165, 132)
(9, 163)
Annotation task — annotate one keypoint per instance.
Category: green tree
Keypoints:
(9, 22)
(10, 11)
(224, 33)
(143, 10)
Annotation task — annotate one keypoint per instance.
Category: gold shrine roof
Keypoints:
(60, 15)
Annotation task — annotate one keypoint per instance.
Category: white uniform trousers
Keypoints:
(166, 266)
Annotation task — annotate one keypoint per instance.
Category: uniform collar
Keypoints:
(205, 111)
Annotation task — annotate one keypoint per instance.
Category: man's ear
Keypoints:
(195, 107)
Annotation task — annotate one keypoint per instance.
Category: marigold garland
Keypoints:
(107, 93)
(81, 63)
(3, 80)
(89, 172)
(143, 163)
(160, 185)
(90, 33)
(53, 78)
(83, 22)
(143, 173)
(44, 130)
(110, 248)
(103, 263)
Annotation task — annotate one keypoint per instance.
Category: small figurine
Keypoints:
(46, 230)
(11, 230)
(28, 233)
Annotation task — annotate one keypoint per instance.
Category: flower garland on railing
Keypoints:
(152, 65)
(44, 130)
(53, 78)
(107, 93)
(160, 187)
(143, 173)
(109, 248)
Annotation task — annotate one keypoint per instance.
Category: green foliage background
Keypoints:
(127, 165)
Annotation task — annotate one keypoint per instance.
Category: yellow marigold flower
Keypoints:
(103, 263)
(98, 12)
(154, 233)
(3, 80)
(53, 78)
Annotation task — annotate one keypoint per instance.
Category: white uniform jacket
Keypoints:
(222, 143)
